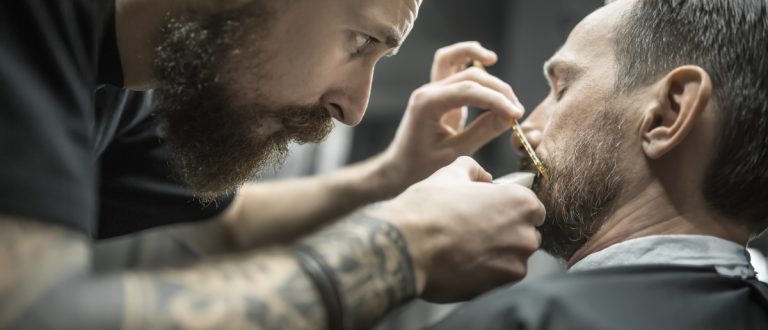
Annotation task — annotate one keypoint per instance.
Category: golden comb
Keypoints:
(526, 145)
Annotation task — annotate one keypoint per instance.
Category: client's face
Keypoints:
(579, 131)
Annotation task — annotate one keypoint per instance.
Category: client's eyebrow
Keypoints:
(561, 69)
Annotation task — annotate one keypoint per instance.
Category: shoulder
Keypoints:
(626, 298)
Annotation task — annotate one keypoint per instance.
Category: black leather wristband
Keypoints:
(322, 277)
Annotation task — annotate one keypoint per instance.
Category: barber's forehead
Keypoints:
(397, 14)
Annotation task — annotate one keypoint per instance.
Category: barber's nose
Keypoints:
(348, 103)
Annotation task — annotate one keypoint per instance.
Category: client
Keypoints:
(656, 138)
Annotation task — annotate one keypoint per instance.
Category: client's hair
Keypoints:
(728, 39)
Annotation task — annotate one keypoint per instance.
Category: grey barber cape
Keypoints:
(657, 282)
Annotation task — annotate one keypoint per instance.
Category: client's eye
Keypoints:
(561, 93)
(363, 42)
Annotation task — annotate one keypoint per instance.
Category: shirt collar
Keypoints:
(728, 258)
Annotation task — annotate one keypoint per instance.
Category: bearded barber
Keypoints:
(235, 81)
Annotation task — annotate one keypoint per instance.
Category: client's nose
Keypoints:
(532, 134)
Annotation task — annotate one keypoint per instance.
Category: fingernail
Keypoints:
(520, 105)
(517, 109)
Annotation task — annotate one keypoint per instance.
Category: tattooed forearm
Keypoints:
(29, 266)
(163, 247)
(260, 290)
(267, 291)
(372, 266)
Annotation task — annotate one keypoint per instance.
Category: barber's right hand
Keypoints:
(466, 235)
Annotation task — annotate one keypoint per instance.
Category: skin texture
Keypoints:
(239, 271)
(263, 290)
(668, 126)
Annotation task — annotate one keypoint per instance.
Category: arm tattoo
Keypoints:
(372, 267)
(33, 260)
(51, 284)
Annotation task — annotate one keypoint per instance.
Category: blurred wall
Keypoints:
(524, 33)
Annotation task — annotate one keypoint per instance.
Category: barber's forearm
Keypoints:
(265, 289)
(163, 247)
(282, 211)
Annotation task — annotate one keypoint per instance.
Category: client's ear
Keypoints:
(681, 97)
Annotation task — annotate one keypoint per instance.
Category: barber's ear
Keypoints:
(681, 98)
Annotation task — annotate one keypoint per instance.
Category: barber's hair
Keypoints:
(728, 39)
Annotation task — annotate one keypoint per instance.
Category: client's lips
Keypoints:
(526, 164)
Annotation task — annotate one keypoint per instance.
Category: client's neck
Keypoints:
(655, 211)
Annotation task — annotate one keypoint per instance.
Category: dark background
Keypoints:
(524, 33)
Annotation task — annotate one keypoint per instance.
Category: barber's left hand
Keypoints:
(432, 132)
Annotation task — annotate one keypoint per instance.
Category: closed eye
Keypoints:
(363, 42)
(561, 93)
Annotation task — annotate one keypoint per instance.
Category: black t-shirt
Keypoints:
(634, 297)
(74, 149)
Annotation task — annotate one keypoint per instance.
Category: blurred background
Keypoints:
(524, 33)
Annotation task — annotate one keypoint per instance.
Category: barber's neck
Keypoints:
(657, 209)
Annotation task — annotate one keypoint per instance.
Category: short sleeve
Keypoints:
(137, 190)
(48, 68)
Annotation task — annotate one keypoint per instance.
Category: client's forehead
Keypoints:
(590, 43)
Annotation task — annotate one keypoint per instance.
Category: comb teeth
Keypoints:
(527, 145)
(529, 150)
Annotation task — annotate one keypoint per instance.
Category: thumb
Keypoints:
(469, 168)
(483, 130)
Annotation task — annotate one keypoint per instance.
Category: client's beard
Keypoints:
(584, 183)
(219, 140)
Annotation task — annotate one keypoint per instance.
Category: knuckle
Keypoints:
(466, 160)
(441, 53)
(472, 43)
(474, 73)
(468, 87)
(420, 94)
(527, 201)
(531, 243)
(508, 89)
(518, 269)
(534, 208)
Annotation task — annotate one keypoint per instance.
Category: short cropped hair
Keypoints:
(728, 39)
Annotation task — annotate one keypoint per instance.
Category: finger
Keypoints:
(486, 79)
(538, 239)
(452, 59)
(456, 119)
(509, 267)
(469, 167)
(526, 204)
(436, 100)
(480, 132)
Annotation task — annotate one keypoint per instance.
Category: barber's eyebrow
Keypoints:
(389, 36)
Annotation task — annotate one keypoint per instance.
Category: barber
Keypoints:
(273, 255)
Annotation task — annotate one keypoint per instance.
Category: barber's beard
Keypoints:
(585, 181)
(218, 138)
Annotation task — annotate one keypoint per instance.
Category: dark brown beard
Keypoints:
(219, 141)
(585, 182)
